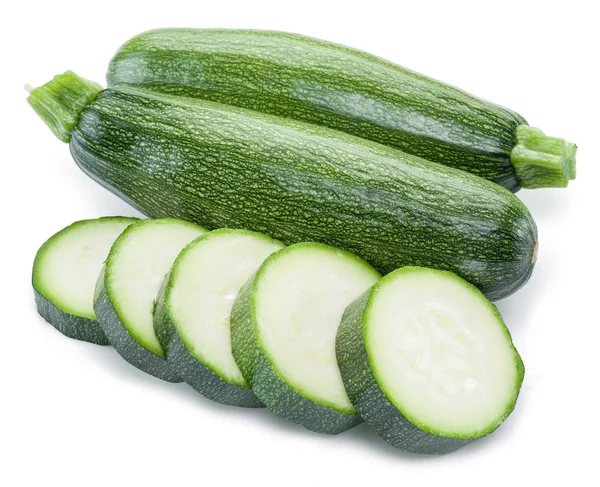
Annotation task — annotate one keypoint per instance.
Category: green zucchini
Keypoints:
(283, 328)
(128, 284)
(427, 361)
(191, 319)
(65, 271)
(223, 166)
(327, 84)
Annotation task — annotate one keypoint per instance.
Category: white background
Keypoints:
(75, 414)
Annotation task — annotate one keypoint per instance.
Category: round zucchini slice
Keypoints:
(128, 284)
(65, 271)
(192, 314)
(283, 328)
(427, 361)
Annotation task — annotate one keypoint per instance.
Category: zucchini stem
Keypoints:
(541, 161)
(60, 101)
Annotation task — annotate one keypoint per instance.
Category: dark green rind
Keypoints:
(368, 399)
(292, 406)
(191, 370)
(268, 385)
(327, 84)
(70, 325)
(228, 167)
(121, 340)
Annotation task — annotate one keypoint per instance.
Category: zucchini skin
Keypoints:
(122, 341)
(369, 400)
(222, 166)
(70, 325)
(191, 370)
(270, 388)
(315, 81)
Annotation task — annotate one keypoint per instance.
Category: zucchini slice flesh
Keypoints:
(65, 271)
(428, 361)
(126, 292)
(296, 301)
(193, 311)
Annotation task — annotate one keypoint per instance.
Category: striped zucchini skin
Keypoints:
(367, 397)
(222, 166)
(327, 84)
(256, 368)
(189, 368)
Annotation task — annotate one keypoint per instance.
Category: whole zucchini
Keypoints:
(327, 84)
(223, 166)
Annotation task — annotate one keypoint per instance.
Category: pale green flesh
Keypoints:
(300, 298)
(67, 265)
(204, 284)
(136, 267)
(441, 353)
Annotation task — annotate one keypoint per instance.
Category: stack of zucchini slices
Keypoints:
(311, 332)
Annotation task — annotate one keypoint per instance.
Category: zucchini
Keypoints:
(126, 290)
(191, 319)
(283, 328)
(427, 361)
(223, 166)
(64, 275)
(327, 84)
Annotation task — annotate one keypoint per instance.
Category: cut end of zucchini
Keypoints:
(301, 296)
(65, 271)
(427, 361)
(60, 101)
(136, 266)
(541, 161)
(442, 353)
(534, 252)
(283, 329)
(66, 266)
(192, 320)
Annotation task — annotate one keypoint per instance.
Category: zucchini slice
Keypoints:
(128, 284)
(65, 271)
(283, 328)
(191, 319)
(427, 361)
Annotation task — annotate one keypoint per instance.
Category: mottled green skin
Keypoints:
(189, 368)
(269, 387)
(122, 341)
(327, 84)
(369, 397)
(68, 324)
(228, 167)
